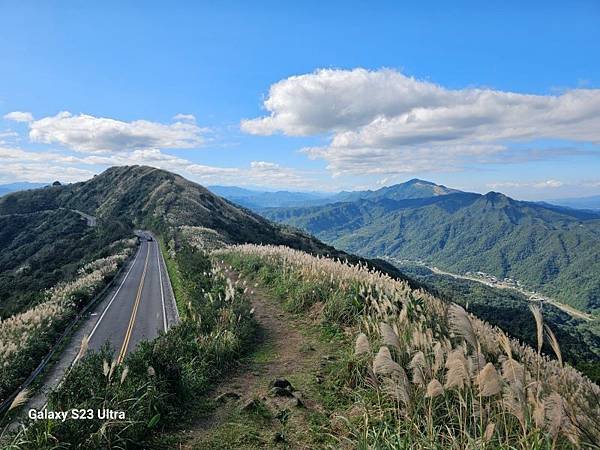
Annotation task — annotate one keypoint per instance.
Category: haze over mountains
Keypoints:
(592, 203)
(19, 186)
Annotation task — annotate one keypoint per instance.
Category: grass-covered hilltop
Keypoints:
(284, 342)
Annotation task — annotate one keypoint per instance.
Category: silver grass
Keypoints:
(475, 362)
(396, 387)
(124, 374)
(504, 341)
(539, 412)
(514, 405)
(438, 357)
(488, 381)
(383, 364)
(388, 335)
(362, 345)
(460, 324)
(539, 324)
(489, 432)
(20, 399)
(434, 388)
(82, 349)
(113, 365)
(417, 364)
(513, 372)
(554, 344)
(457, 375)
(554, 413)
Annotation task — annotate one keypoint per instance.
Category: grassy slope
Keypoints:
(364, 413)
(291, 346)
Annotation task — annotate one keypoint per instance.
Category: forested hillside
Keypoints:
(41, 249)
(552, 249)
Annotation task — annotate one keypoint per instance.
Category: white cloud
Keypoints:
(85, 133)
(8, 135)
(39, 167)
(17, 164)
(546, 184)
(42, 173)
(384, 117)
(552, 184)
(19, 116)
(185, 117)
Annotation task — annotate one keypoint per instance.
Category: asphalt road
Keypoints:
(137, 310)
(131, 311)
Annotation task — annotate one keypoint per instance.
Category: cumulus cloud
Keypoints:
(86, 133)
(19, 116)
(42, 173)
(384, 115)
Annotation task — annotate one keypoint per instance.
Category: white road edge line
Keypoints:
(97, 323)
(162, 294)
(114, 296)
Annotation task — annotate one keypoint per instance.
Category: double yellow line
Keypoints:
(134, 312)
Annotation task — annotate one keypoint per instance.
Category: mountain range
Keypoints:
(592, 203)
(259, 200)
(549, 248)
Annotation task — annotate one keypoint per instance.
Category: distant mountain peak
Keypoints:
(413, 188)
(418, 181)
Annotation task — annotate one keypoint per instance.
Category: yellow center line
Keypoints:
(133, 312)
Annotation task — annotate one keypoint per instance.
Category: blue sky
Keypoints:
(306, 95)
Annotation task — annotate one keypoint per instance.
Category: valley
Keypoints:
(493, 282)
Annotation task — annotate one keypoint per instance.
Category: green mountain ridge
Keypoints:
(129, 197)
(549, 248)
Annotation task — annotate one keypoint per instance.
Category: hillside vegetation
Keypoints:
(509, 310)
(552, 249)
(422, 373)
(26, 337)
(146, 197)
(43, 248)
(412, 371)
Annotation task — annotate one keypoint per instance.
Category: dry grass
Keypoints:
(18, 332)
(472, 386)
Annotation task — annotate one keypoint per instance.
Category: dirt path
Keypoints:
(248, 414)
